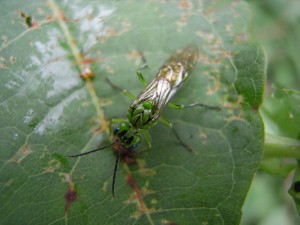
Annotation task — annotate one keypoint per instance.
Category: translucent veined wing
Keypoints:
(148, 105)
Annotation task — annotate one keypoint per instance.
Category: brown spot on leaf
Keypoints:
(132, 184)
(49, 169)
(216, 86)
(105, 186)
(184, 4)
(21, 154)
(228, 27)
(9, 182)
(137, 198)
(71, 195)
(145, 171)
(4, 41)
(133, 55)
(105, 102)
(168, 222)
(94, 60)
(145, 190)
(153, 201)
(111, 32)
(109, 69)
(12, 59)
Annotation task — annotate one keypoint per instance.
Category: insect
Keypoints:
(147, 107)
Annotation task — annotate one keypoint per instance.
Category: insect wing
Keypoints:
(167, 81)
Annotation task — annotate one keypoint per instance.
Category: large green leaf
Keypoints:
(49, 112)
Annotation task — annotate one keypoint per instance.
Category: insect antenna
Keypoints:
(115, 173)
(94, 150)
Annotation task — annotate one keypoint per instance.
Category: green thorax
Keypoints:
(141, 115)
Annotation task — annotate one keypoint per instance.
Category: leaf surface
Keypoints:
(47, 111)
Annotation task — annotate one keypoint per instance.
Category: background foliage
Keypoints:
(276, 25)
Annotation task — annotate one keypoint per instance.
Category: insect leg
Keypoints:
(196, 104)
(141, 77)
(142, 66)
(125, 92)
(165, 121)
(147, 138)
(139, 74)
(128, 94)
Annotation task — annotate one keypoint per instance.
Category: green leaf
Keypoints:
(48, 112)
(276, 25)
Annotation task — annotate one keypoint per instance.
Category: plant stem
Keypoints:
(281, 147)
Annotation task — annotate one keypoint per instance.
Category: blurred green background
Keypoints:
(276, 25)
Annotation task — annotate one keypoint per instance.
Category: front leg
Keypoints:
(124, 91)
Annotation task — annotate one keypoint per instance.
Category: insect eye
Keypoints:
(116, 130)
(133, 147)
